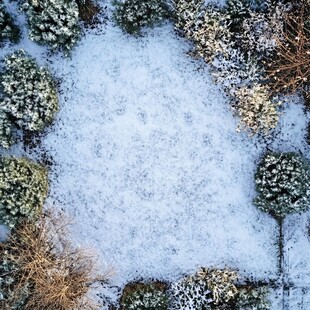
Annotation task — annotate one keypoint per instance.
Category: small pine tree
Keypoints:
(283, 184)
(29, 93)
(23, 189)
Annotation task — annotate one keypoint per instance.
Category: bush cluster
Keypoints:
(235, 39)
(207, 289)
(23, 189)
(8, 30)
(29, 97)
(133, 15)
(53, 22)
(283, 184)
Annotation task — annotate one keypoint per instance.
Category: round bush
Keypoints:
(53, 22)
(29, 92)
(23, 189)
(140, 296)
(283, 184)
(132, 15)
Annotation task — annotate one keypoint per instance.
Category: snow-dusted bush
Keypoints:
(253, 299)
(140, 296)
(132, 15)
(256, 110)
(53, 22)
(208, 29)
(258, 30)
(29, 93)
(7, 130)
(23, 189)
(186, 12)
(204, 290)
(235, 70)
(190, 293)
(8, 30)
(283, 184)
(238, 11)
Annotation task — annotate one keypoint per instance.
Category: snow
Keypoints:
(148, 164)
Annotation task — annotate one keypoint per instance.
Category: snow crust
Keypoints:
(148, 162)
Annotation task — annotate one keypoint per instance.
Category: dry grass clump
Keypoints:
(88, 12)
(40, 271)
(289, 71)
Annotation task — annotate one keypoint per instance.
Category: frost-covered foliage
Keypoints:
(238, 11)
(23, 189)
(139, 296)
(132, 15)
(235, 39)
(236, 69)
(53, 22)
(203, 290)
(258, 29)
(256, 110)
(206, 27)
(29, 97)
(253, 299)
(190, 293)
(7, 130)
(186, 13)
(8, 30)
(283, 184)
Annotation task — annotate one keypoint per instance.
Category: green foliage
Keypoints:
(8, 30)
(206, 289)
(140, 296)
(133, 15)
(191, 293)
(29, 97)
(23, 189)
(253, 299)
(7, 130)
(238, 10)
(54, 23)
(283, 184)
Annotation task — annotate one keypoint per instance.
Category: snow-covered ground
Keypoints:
(148, 164)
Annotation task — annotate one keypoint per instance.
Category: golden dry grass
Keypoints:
(48, 273)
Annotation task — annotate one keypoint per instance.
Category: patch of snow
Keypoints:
(148, 162)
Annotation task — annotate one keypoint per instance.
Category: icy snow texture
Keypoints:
(149, 164)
